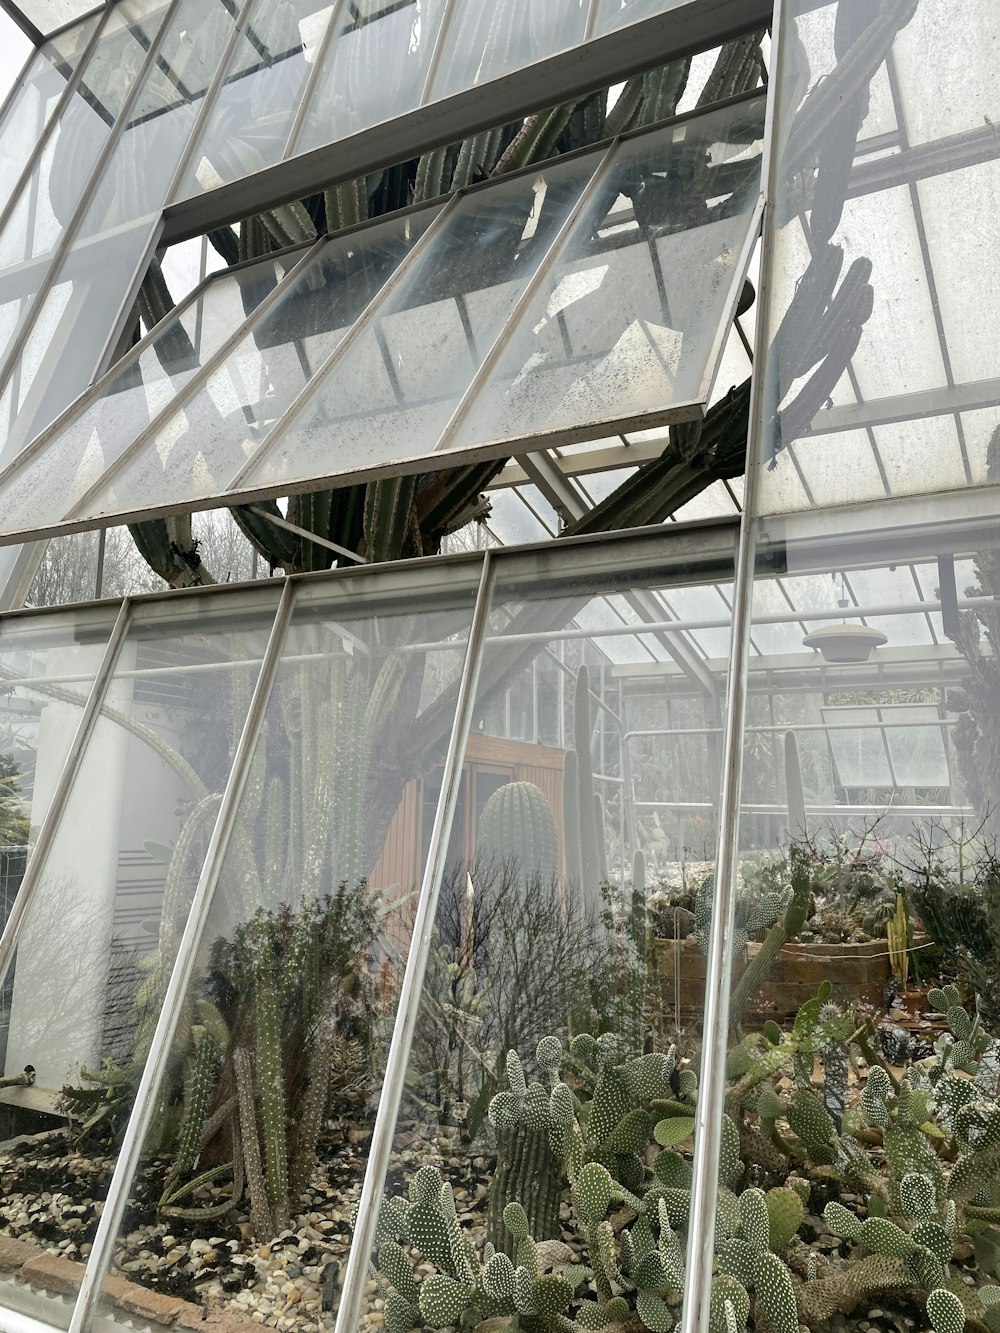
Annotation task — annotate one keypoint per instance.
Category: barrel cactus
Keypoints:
(516, 826)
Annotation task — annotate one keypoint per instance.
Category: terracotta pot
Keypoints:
(914, 1000)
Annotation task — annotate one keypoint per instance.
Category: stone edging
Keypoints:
(37, 1268)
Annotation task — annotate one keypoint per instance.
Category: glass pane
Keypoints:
(556, 939)
(115, 888)
(61, 354)
(612, 14)
(291, 1008)
(872, 811)
(395, 391)
(46, 209)
(918, 753)
(629, 319)
(486, 41)
(885, 286)
(859, 754)
(135, 392)
(396, 39)
(250, 121)
(47, 15)
(57, 184)
(35, 101)
(198, 450)
(162, 118)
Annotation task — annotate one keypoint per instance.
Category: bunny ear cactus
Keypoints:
(748, 1260)
(535, 1124)
(945, 1311)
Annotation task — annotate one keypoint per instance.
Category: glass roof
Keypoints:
(552, 306)
(883, 377)
(48, 15)
(303, 74)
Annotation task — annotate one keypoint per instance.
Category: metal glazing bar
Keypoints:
(71, 232)
(180, 976)
(69, 92)
(712, 1089)
(315, 74)
(408, 1005)
(280, 522)
(725, 324)
(130, 295)
(70, 769)
(434, 64)
(19, 1323)
(33, 33)
(543, 270)
(201, 375)
(591, 20)
(208, 104)
(359, 326)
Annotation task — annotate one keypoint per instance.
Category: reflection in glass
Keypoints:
(253, 113)
(265, 1106)
(375, 68)
(201, 447)
(627, 321)
(485, 41)
(392, 395)
(135, 392)
(102, 926)
(549, 1040)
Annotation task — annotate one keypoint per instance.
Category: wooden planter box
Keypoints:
(857, 972)
(682, 961)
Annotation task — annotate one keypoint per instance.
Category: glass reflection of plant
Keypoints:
(288, 1003)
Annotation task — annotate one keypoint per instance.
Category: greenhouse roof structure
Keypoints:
(287, 865)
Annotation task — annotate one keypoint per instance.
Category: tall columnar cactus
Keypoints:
(516, 826)
(795, 796)
(783, 930)
(591, 833)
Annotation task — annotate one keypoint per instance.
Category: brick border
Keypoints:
(36, 1267)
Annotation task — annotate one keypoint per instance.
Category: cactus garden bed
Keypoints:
(856, 971)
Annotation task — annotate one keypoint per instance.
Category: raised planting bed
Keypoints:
(857, 973)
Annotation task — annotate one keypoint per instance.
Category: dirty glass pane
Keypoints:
(884, 285)
(392, 395)
(199, 449)
(134, 393)
(245, 1192)
(376, 68)
(485, 41)
(111, 902)
(628, 321)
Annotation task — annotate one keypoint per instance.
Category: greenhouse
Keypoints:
(499, 709)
